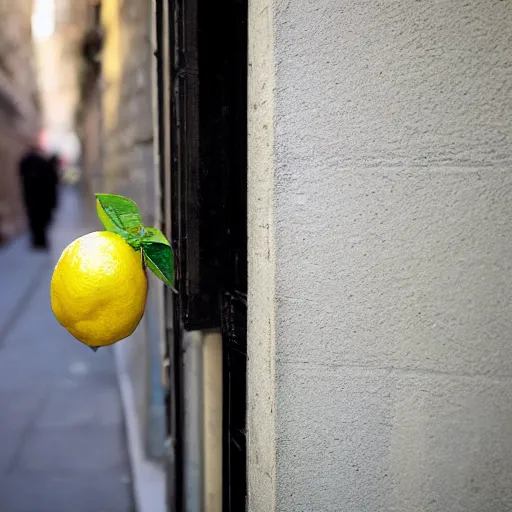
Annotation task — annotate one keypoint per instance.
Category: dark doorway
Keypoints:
(204, 175)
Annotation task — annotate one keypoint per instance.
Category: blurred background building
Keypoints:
(76, 76)
(20, 120)
(58, 27)
(116, 124)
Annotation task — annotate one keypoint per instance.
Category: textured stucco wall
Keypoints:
(381, 356)
(261, 461)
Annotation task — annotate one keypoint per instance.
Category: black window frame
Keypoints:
(205, 177)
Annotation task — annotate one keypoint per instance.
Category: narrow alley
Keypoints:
(62, 439)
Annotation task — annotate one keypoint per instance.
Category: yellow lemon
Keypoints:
(99, 288)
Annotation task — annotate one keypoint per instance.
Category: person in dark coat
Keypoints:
(55, 169)
(39, 192)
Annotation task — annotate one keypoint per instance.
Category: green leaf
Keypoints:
(154, 235)
(160, 260)
(105, 219)
(118, 214)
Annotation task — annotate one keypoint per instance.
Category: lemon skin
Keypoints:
(99, 289)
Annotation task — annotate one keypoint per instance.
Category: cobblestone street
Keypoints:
(62, 442)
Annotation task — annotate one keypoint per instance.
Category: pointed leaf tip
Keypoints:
(119, 214)
(159, 258)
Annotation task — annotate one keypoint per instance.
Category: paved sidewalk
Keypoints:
(62, 443)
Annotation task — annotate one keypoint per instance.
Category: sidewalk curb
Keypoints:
(148, 478)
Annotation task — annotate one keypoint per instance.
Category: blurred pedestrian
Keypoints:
(55, 172)
(39, 192)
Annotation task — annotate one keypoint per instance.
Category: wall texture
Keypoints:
(261, 324)
(127, 168)
(19, 116)
(121, 171)
(380, 346)
(127, 102)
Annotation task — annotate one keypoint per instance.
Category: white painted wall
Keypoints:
(380, 242)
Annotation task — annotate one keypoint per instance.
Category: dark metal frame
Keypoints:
(208, 180)
(172, 356)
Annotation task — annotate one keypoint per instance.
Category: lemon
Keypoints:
(99, 289)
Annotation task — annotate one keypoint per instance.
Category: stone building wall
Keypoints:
(127, 103)
(116, 126)
(19, 103)
(380, 235)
